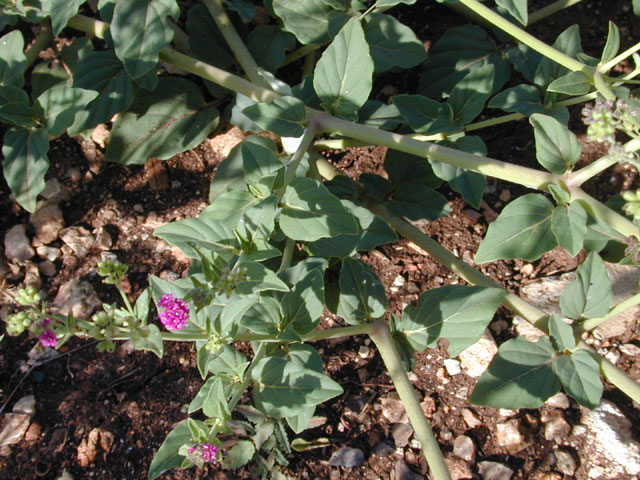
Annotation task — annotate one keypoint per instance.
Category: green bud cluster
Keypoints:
(112, 271)
(21, 321)
(605, 117)
(229, 280)
(632, 207)
(214, 344)
(28, 296)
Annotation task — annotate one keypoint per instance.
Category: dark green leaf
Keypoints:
(580, 377)
(468, 97)
(559, 194)
(589, 295)
(548, 70)
(207, 233)
(522, 230)
(140, 29)
(304, 304)
(284, 117)
(376, 114)
(162, 123)
(167, 456)
(302, 445)
(561, 334)
(574, 83)
(12, 59)
(569, 225)
(404, 168)
(517, 8)
(524, 99)
(239, 455)
(259, 278)
(520, 376)
(205, 39)
(308, 20)
(269, 44)
(15, 107)
(362, 295)
(456, 313)
(342, 77)
(304, 355)
(151, 341)
(613, 43)
(60, 105)
(418, 203)
(61, 12)
(424, 115)
(25, 164)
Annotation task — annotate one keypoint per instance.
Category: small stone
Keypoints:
(452, 366)
(33, 433)
(476, 358)
(47, 268)
(347, 457)
(32, 276)
(401, 433)
(403, 472)
(16, 244)
(471, 418)
(494, 471)
(65, 475)
(54, 192)
(527, 330)
(498, 326)
(393, 409)
(398, 282)
(26, 405)
(508, 436)
(428, 407)
(363, 351)
(47, 222)
(559, 400)
(458, 468)
(138, 208)
(578, 430)
(505, 195)
(557, 429)
(103, 240)
(79, 239)
(88, 448)
(527, 269)
(472, 215)
(464, 448)
(630, 349)
(596, 472)
(13, 428)
(48, 253)
(78, 298)
(384, 449)
(565, 462)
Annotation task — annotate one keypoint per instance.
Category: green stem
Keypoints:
(180, 38)
(247, 376)
(578, 177)
(550, 9)
(526, 38)
(287, 255)
(309, 64)
(238, 47)
(297, 54)
(338, 332)
(42, 40)
(620, 379)
(126, 301)
(307, 138)
(391, 357)
(604, 213)
(88, 25)
(592, 323)
(618, 58)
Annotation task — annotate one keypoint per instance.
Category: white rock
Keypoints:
(559, 400)
(393, 409)
(103, 239)
(557, 429)
(464, 448)
(26, 405)
(76, 297)
(508, 436)
(401, 433)
(17, 245)
(527, 330)
(47, 222)
(476, 358)
(494, 471)
(14, 426)
(363, 351)
(48, 253)
(471, 418)
(452, 365)
(565, 462)
(610, 441)
(79, 239)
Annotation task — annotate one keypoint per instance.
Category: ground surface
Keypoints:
(136, 398)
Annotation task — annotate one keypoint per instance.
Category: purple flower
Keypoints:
(175, 312)
(203, 453)
(48, 338)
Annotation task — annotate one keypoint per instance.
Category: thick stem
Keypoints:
(618, 58)
(88, 25)
(620, 379)
(297, 54)
(604, 213)
(42, 40)
(578, 177)
(287, 255)
(550, 9)
(526, 38)
(391, 357)
(592, 323)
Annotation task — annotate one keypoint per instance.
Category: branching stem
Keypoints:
(550, 9)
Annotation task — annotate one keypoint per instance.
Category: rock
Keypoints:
(32, 276)
(65, 475)
(578, 430)
(16, 244)
(464, 448)
(565, 463)
(428, 406)
(347, 457)
(494, 471)
(384, 449)
(527, 330)
(224, 143)
(103, 240)
(13, 428)
(4, 268)
(401, 433)
(363, 351)
(452, 366)
(88, 448)
(471, 418)
(393, 409)
(557, 429)
(26, 405)
(47, 268)
(610, 441)
(458, 468)
(47, 222)
(475, 359)
(76, 297)
(48, 253)
(559, 400)
(508, 436)
(403, 472)
(33, 433)
(54, 192)
(79, 239)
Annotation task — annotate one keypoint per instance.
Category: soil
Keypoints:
(135, 398)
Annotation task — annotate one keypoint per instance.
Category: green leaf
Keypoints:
(207, 233)
(167, 456)
(522, 230)
(140, 29)
(557, 148)
(362, 295)
(259, 159)
(301, 421)
(310, 212)
(458, 52)
(264, 317)
(424, 115)
(258, 279)
(457, 313)
(392, 3)
(343, 75)
(61, 12)
(228, 361)
(25, 164)
(574, 83)
(590, 294)
(60, 105)
(524, 99)
(392, 44)
(517, 8)
(559, 194)
(15, 107)
(160, 124)
(152, 341)
(580, 377)
(304, 355)
(205, 39)
(239, 455)
(13, 62)
(104, 73)
(284, 117)
(569, 226)
(268, 44)
(468, 97)
(282, 387)
(636, 7)
(215, 404)
(302, 445)
(416, 204)
(308, 20)
(376, 114)
(548, 70)
(230, 173)
(561, 334)
(613, 43)
(304, 304)
(520, 376)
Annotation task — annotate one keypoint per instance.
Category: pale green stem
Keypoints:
(550, 9)
(618, 58)
(126, 301)
(297, 54)
(238, 47)
(287, 255)
(247, 376)
(88, 25)
(602, 86)
(180, 38)
(578, 177)
(526, 38)
(42, 40)
(309, 64)
(307, 138)
(338, 332)
(631, 302)
(604, 213)
(391, 357)
(620, 379)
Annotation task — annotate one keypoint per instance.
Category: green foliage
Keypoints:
(362, 297)
(589, 295)
(557, 148)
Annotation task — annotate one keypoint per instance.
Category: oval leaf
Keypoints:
(589, 295)
(557, 148)
(580, 377)
(362, 295)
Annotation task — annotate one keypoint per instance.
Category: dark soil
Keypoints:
(137, 397)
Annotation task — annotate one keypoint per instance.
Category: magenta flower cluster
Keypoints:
(48, 338)
(175, 312)
(205, 451)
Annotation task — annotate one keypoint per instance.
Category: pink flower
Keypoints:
(203, 453)
(175, 312)
(48, 338)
